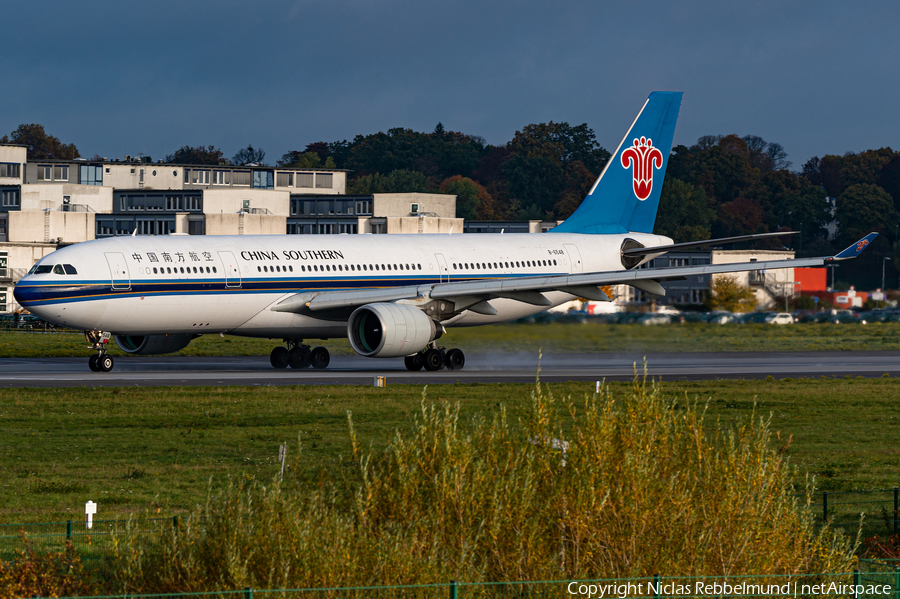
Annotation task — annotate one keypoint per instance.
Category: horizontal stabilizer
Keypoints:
(660, 249)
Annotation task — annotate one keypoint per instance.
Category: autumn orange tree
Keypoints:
(728, 294)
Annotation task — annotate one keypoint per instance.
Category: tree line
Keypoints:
(723, 185)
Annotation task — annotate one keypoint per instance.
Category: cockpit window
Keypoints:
(43, 269)
(58, 270)
(70, 270)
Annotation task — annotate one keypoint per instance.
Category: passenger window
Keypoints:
(420, 267)
(291, 267)
(70, 270)
(207, 269)
(154, 270)
(214, 269)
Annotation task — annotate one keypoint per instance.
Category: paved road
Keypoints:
(150, 371)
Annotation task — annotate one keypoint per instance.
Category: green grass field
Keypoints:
(551, 337)
(160, 449)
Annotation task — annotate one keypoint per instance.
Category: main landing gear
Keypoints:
(435, 358)
(297, 355)
(102, 361)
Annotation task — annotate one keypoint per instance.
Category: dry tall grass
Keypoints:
(646, 486)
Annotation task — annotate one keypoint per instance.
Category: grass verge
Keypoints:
(131, 449)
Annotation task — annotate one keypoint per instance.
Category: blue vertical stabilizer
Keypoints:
(625, 196)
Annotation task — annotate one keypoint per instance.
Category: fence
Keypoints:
(849, 584)
(92, 543)
(880, 510)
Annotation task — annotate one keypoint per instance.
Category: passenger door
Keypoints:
(575, 258)
(443, 273)
(118, 270)
(232, 271)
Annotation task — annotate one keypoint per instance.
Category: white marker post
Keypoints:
(282, 455)
(90, 508)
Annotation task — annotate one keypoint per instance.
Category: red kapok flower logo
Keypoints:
(642, 158)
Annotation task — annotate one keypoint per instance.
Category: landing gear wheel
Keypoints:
(279, 357)
(298, 357)
(105, 362)
(92, 363)
(455, 359)
(434, 360)
(414, 363)
(320, 358)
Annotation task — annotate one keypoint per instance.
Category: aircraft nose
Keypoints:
(25, 294)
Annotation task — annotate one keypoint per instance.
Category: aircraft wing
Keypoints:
(474, 295)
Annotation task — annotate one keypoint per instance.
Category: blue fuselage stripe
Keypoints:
(34, 293)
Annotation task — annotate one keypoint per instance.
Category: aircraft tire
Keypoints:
(298, 357)
(414, 363)
(455, 359)
(279, 357)
(92, 363)
(320, 358)
(105, 363)
(433, 360)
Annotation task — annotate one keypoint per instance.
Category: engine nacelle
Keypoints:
(390, 330)
(152, 344)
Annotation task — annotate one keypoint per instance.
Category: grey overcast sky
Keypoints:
(115, 78)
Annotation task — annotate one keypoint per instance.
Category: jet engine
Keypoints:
(152, 344)
(390, 330)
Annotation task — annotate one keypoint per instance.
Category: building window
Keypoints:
(9, 170)
(2, 227)
(347, 228)
(199, 177)
(323, 180)
(195, 227)
(363, 207)
(10, 198)
(243, 178)
(91, 174)
(60, 173)
(3, 305)
(677, 262)
(698, 296)
(285, 179)
(304, 180)
(414, 208)
(263, 180)
(221, 177)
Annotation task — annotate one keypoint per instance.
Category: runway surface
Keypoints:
(148, 371)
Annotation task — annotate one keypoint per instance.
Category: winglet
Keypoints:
(856, 249)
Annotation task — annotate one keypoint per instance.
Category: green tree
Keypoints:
(197, 155)
(295, 159)
(41, 144)
(398, 181)
(864, 208)
(684, 212)
(473, 202)
(727, 294)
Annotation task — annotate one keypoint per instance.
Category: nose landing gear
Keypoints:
(435, 358)
(297, 355)
(102, 361)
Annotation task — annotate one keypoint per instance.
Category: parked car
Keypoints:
(779, 318)
(721, 317)
(650, 319)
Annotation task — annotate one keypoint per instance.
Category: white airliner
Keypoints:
(391, 295)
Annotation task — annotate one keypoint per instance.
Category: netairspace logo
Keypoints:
(632, 590)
